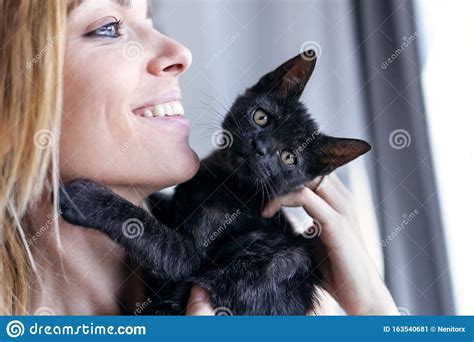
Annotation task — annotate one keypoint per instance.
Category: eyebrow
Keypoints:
(122, 3)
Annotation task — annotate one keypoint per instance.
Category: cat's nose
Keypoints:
(259, 148)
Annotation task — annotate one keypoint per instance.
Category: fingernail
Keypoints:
(320, 181)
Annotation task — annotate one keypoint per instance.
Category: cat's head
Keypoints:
(275, 140)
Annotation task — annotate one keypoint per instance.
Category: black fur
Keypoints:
(211, 232)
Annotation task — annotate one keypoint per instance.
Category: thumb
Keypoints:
(198, 303)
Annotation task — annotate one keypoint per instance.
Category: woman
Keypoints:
(73, 77)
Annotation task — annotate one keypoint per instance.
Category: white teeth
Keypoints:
(159, 111)
(178, 107)
(168, 109)
(174, 107)
(148, 113)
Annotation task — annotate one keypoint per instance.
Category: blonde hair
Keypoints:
(32, 52)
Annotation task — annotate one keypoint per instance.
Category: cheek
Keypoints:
(93, 121)
(102, 139)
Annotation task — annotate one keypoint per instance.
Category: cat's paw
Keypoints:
(82, 202)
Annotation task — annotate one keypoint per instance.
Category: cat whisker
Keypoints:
(215, 100)
(222, 117)
(272, 187)
(262, 193)
(213, 110)
(268, 196)
(227, 110)
(208, 126)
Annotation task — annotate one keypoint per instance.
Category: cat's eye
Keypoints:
(260, 117)
(288, 157)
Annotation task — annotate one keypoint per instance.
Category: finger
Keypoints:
(313, 184)
(274, 205)
(326, 188)
(271, 208)
(313, 204)
(198, 303)
(336, 199)
(340, 185)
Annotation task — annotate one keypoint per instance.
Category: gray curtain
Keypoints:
(350, 94)
(416, 265)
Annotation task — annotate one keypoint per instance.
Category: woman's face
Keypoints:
(117, 68)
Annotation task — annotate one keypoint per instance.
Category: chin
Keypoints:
(184, 166)
(189, 166)
(181, 166)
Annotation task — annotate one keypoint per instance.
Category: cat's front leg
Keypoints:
(89, 204)
(162, 250)
(161, 207)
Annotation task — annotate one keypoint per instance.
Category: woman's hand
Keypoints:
(198, 303)
(350, 275)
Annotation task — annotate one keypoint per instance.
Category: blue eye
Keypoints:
(111, 30)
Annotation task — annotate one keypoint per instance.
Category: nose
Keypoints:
(171, 58)
(259, 148)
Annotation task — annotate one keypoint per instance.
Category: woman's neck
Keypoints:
(92, 277)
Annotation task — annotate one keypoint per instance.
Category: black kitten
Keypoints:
(211, 232)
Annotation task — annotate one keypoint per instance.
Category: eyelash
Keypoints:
(117, 25)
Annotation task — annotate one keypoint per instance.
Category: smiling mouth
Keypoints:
(167, 109)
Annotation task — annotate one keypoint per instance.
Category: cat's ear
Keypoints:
(290, 78)
(334, 152)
